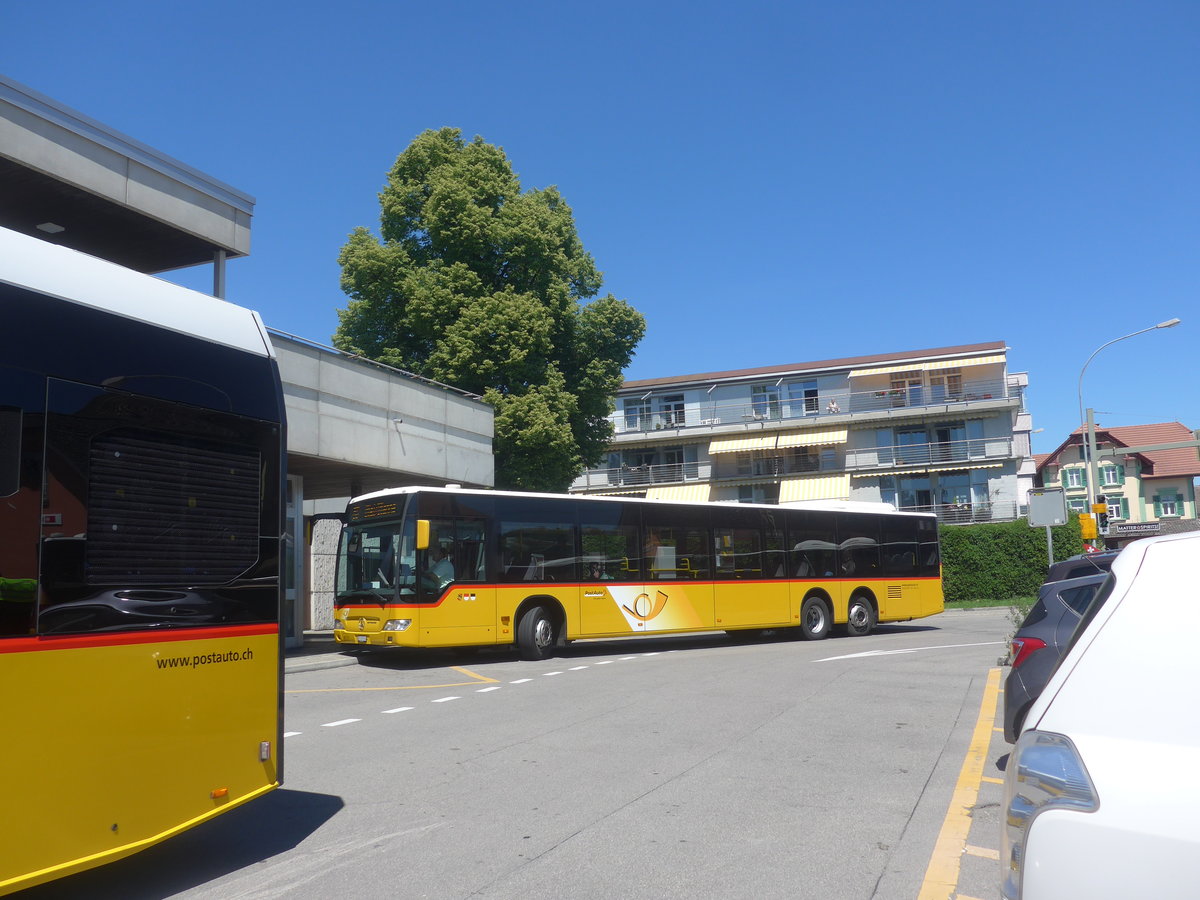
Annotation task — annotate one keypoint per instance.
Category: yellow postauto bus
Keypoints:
(446, 567)
(141, 448)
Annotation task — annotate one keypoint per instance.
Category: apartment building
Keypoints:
(1147, 493)
(941, 430)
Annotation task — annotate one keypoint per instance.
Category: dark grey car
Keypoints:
(1039, 642)
(1083, 564)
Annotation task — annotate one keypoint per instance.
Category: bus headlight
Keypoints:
(1046, 772)
(397, 624)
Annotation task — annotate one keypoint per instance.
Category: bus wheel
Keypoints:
(860, 618)
(535, 634)
(814, 619)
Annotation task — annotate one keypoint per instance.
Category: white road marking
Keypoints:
(605, 662)
(340, 722)
(867, 653)
(577, 668)
(445, 699)
(398, 709)
(292, 733)
(486, 689)
(521, 681)
(548, 674)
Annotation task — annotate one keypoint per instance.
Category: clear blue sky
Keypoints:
(768, 183)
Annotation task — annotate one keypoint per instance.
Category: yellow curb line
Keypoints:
(479, 679)
(941, 877)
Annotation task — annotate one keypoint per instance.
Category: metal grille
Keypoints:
(161, 511)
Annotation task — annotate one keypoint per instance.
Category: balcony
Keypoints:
(641, 476)
(725, 469)
(941, 454)
(830, 404)
(970, 513)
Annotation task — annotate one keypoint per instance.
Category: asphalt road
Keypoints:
(697, 767)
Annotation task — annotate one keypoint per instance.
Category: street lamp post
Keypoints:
(1088, 422)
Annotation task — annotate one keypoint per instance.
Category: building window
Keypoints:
(1077, 506)
(1110, 476)
(765, 401)
(802, 398)
(1114, 509)
(637, 415)
(945, 384)
(1168, 505)
(906, 389)
(672, 410)
(1073, 478)
(758, 493)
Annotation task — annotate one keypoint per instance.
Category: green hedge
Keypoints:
(998, 561)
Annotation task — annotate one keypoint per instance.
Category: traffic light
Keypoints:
(1087, 526)
(1100, 508)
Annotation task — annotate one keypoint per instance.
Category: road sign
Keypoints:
(1047, 506)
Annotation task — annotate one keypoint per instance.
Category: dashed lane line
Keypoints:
(492, 685)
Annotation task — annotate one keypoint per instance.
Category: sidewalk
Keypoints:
(319, 652)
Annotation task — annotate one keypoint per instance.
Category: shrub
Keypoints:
(1002, 560)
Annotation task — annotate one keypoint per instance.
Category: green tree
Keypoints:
(477, 284)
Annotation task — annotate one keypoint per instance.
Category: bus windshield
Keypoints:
(378, 560)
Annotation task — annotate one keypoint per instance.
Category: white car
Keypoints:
(1102, 790)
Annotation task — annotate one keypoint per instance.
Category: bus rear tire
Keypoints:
(860, 616)
(814, 619)
(535, 634)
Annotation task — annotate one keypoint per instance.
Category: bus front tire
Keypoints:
(860, 617)
(814, 619)
(535, 634)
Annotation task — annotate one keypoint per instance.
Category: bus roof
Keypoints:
(66, 274)
(826, 505)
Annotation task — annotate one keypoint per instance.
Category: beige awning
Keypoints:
(929, 366)
(694, 493)
(742, 444)
(812, 438)
(815, 487)
(921, 470)
(965, 465)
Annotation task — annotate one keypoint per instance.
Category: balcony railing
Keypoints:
(725, 468)
(827, 406)
(936, 453)
(640, 476)
(970, 513)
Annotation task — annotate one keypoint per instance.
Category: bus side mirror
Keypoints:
(422, 534)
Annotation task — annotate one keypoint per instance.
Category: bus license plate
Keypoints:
(362, 638)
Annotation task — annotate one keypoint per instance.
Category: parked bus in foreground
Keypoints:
(141, 448)
(430, 567)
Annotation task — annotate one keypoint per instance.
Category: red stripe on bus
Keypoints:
(550, 586)
(75, 641)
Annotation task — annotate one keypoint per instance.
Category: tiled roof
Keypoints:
(1160, 463)
(795, 368)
